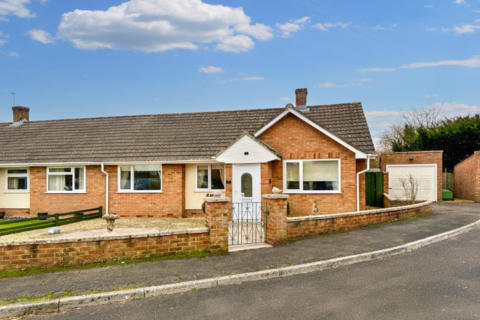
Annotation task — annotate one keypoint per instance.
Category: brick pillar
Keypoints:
(21, 113)
(217, 211)
(277, 217)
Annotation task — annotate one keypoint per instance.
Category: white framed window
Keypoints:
(17, 180)
(66, 180)
(210, 177)
(312, 176)
(141, 178)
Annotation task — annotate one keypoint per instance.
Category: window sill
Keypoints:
(65, 192)
(17, 192)
(143, 191)
(312, 192)
(207, 191)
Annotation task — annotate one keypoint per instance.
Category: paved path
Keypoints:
(439, 281)
(446, 217)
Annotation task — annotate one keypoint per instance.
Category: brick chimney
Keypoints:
(301, 95)
(21, 113)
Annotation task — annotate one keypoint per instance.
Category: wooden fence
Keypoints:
(449, 181)
(55, 220)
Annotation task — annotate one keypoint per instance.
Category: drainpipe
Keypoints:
(106, 190)
(358, 182)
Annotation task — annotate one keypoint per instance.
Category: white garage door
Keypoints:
(425, 175)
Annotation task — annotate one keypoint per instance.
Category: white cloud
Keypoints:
(379, 27)
(334, 85)
(2, 41)
(249, 79)
(395, 25)
(325, 26)
(376, 70)
(379, 120)
(292, 26)
(40, 35)
(466, 28)
(454, 109)
(471, 63)
(431, 29)
(15, 8)
(243, 79)
(459, 1)
(476, 11)
(285, 99)
(429, 6)
(13, 54)
(161, 25)
(211, 69)
(157, 99)
(431, 96)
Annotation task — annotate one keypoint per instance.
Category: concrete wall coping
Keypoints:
(408, 152)
(276, 196)
(360, 213)
(105, 238)
(215, 199)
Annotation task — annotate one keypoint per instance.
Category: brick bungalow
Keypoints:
(164, 165)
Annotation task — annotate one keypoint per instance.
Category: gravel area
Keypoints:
(158, 224)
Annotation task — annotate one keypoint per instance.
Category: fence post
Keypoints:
(56, 219)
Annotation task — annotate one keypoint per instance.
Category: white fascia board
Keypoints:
(358, 154)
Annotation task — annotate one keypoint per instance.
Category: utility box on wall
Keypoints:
(374, 189)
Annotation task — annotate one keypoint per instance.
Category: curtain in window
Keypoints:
(13, 183)
(320, 175)
(125, 177)
(56, 183)
(218, 177)
(293, 175)
(202, 177)
(79, 179)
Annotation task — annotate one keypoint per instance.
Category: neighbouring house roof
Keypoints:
(162, 137)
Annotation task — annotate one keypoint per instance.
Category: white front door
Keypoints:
(246, 187)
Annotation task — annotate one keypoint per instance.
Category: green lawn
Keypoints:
(29, 225)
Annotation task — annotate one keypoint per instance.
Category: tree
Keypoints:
(458, 137)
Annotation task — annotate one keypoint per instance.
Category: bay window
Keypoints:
(312, 176)
(141, 178)
(61, 180)
(210, 177)
(17, 180)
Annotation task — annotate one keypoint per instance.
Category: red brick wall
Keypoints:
(467, 178)
(314, 227)
(419, 157)
(170, 203)
(40, 201)
(295, 139)
(16, 212)
(78, 253)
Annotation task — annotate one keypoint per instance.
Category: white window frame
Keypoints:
(131, 190)
(17, 175)
(72, 173)
(209, 189)
(301, 161)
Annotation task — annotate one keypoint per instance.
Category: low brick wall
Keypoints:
(16, 212)
(314, 225)
(467, 178)
(63, 252)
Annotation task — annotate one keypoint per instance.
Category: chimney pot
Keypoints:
(21, 113)
(301, 95)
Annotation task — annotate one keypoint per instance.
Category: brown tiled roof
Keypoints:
(161, 137)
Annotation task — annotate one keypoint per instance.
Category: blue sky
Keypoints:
(83, 58)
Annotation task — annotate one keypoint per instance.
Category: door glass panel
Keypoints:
(247, 185)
